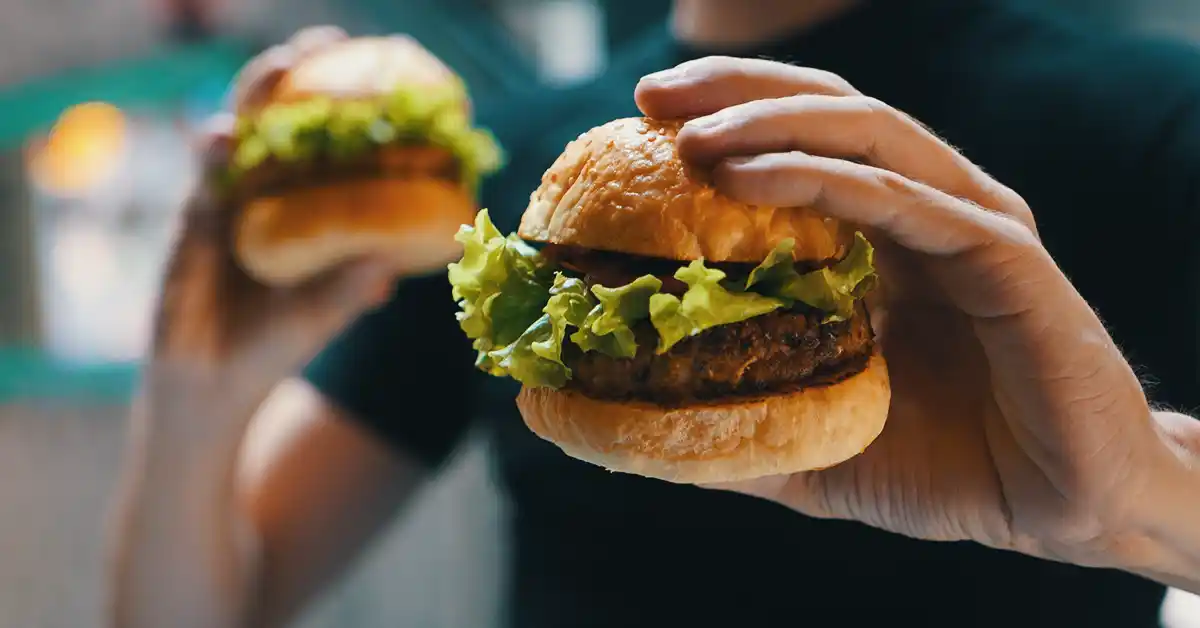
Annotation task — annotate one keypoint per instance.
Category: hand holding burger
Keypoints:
(655, 346)
(1015, 421)
(343, 164)
(363, 146)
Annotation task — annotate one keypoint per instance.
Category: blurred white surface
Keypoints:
(566, 37)
(100, 254)
(1181, 610)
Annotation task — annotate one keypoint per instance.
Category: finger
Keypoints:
(856, 127)
(329, 301)
(253, 85)
(992, 266)
(795, 491)
(316, 38)
(215, 140)
(708, 85)
(916, 216)
(1033, 324)
(302, 320)
(765, 487)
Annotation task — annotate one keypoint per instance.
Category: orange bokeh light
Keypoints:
(85, 147)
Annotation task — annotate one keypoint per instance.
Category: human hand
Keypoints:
(219, 335)
(1015, 421)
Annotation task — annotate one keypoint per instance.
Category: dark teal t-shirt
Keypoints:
(1100, 134)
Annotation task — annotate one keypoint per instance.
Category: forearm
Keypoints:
(1172, 528)
(183, 552)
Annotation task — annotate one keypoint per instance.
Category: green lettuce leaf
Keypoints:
(568, 306)
(519, 311)
(832, 290)
(293, 132)
(501, 285)
(705, 304)
(608, 328)
(525, 358)
(666, 314)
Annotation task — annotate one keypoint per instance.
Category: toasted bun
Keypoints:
(361, 69)
(622, 187)
(810, 429)
(288, 238)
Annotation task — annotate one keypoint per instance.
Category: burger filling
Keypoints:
(321, 138)
(588, 321)
(772, 353)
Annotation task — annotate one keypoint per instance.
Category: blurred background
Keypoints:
(97, 100)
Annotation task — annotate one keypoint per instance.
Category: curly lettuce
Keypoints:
(298, 131)
(705, 304)
(501, 285)
(520, 312)
(535, 358)
(608, 327)
(833, 289)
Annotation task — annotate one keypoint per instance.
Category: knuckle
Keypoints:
(1013, 234)
(1014, 205)
(875, 105)
(833, 82)
(899, 185)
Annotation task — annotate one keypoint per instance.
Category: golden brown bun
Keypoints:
(285, 239)
(622, 187)
(409, 215)
(362, 69)
(811, 429)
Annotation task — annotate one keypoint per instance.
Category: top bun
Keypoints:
(364, 68)
(622, 187)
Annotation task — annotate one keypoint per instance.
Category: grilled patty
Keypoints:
(273, 176)
(778, 352)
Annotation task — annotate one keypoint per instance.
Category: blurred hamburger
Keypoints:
(664, 330)
(364, 147)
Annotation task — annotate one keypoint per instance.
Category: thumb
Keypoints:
(333, 300)
(307, 317)
(768, 487)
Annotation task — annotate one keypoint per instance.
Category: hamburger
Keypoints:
(662, 329)
(364, 147)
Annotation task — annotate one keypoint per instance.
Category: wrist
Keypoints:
(188, 421)
(1168, 535)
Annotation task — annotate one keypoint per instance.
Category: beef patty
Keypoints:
(396, 161)
(778, 352)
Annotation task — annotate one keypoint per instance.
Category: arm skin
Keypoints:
(1172, 556)
(209, 538)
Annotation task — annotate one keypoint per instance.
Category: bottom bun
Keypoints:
(810, 429)
(286, 239)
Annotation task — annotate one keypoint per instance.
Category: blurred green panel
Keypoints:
(167, 76)
(27, 374)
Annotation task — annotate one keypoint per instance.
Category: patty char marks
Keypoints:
(395, 161)
(778, 352)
